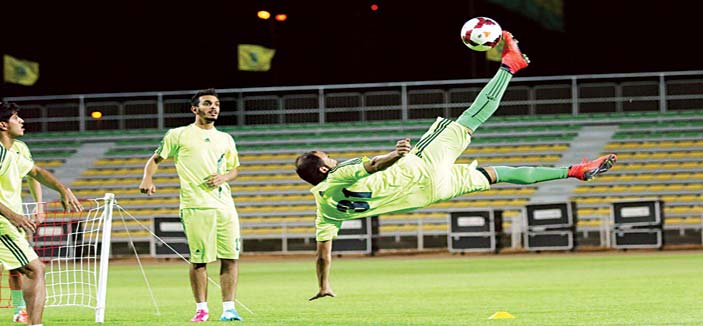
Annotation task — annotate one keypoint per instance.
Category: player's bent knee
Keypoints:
(489, 173)
(35, 269)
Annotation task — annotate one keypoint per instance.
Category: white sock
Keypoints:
(201, 306)
(227, 305)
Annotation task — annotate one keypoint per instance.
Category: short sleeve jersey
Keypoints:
(21, 148)
(350, 192)
(13, 167)
(199, 153)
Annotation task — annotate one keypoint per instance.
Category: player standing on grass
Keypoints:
(206, 159)
(412, 178)
(15, 279)
(16, 254)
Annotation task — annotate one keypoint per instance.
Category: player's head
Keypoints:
(314, 166)
(206, 105)
(10, 121)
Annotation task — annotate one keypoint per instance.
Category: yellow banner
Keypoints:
(21, 72)
(255, 57)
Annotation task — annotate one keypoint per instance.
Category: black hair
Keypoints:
(307, 166)
(195, 100)
(7, 109)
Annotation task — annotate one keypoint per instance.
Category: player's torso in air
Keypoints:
(402, 187)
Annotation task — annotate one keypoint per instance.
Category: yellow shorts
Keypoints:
(439, 148)
(15, 250)
(326, 229)
(211, 233)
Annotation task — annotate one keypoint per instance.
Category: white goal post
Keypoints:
(75, 247)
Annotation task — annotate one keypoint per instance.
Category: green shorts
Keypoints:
(15, 250)
(211, 233)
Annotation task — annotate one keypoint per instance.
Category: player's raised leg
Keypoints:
(446, 140)
(585, 171)
(487, 101)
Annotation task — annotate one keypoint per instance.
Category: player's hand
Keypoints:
(22, 222)
(403, 147)
(147, 187)
(215, 180)
(70, 202)
(38, 214)
(322, 294)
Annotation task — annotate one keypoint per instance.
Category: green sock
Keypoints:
(486, 102)
(17, 300)
(528, 175)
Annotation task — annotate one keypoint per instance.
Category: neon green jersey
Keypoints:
(350, 192)
(199, 153)
(21, 148)
(13, 167)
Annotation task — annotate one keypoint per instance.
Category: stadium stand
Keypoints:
(659, 157)
(269, 196)
(651, 120)
(660, 160)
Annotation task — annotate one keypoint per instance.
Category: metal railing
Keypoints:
(657, 91)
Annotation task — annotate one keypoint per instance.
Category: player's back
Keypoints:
(403, 186)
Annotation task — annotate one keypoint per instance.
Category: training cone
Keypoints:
(501, 315)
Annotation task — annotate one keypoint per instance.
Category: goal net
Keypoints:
(75, 247)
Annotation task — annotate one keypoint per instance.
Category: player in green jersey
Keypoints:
(16, 254)
(412, 178)
(206, 159)
(15, 279)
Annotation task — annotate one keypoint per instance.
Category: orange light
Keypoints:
(263, 14)
(374, 7)
(281, 17)
(96, 114)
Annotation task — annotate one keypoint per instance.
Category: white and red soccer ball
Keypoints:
(481, 33)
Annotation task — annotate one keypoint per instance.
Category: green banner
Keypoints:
(548, 13)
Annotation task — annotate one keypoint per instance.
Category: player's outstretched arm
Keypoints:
(68, 200)
(381, 162)
(147, 186)
(324, 261)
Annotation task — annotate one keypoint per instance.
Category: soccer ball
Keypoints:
(481, 33)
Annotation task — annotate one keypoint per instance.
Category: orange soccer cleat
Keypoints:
(588, 170)
(21, 317)
(512, 59)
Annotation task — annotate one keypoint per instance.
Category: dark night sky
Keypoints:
(116, 46)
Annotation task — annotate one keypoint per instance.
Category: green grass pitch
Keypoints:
(614, 288)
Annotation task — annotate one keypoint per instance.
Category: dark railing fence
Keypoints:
(661, 91)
